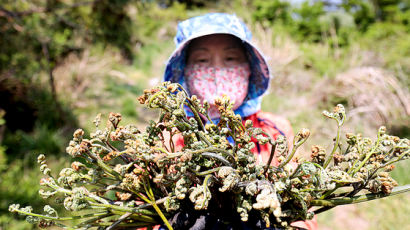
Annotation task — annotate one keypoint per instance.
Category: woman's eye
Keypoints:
(201, 60)
(231, 59)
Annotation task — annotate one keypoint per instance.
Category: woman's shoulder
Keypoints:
(278, 120)
(274, 118)
(281, 123)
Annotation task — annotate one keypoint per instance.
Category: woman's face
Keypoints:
(217, 66)
(218, 50)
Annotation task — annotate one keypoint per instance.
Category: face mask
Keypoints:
(207, 83)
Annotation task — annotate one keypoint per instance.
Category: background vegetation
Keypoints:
(64, 61)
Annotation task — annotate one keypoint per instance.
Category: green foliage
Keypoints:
(34, 120)
(40, 35)
(24, 190)
(390, 10)
(49, 32)
(21, 190)
(10, 222)
(400, 173)
(272, 11)
(307, 21)
(338, 26)
(41, 139)
(380, 31)
(2, 121)
(129, 107)
(148, 21)
(3, 158)
(368, 12)
(362, 12)
(114, 29)
(391, 41)
(311, 22)
(303, 22)
(146, 56)
(321, 60)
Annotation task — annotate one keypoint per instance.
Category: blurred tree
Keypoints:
(40, 34)
(273, 11)
(385, 9)
(189, 3)
(302, 21)
(307, 20)
(37, 36)
(111, 25)
(368, 12)
(337, 25)
(362, 12)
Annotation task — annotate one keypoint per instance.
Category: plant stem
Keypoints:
(272, 153)
(358, 199)
(152, 99)
(395, 160)
(138, 217)
(122, 218)
(201, 135)
(367, 155)
(92, 220)
(218, 157)
(196, 115)
(296, 145)
(62, 218)
(58, 188)
(336, 144)
(209, 149)
(207, 172)
(125, 209)
(150, 195)
(105, 167)
(206, 188)
(102, 147)
(124, 225)
(328, 193)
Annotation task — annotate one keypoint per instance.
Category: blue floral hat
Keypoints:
(221, 23)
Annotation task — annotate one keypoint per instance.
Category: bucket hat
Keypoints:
(221, 23)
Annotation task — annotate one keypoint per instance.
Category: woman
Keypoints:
(213, 57)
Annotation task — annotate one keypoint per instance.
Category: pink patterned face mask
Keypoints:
(207, 83)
